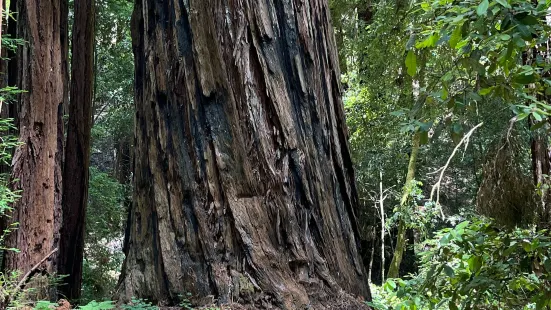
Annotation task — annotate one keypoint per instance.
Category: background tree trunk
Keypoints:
(401, 238)
(37, 164)
(243, 186)
(77, 152)
(540, 169)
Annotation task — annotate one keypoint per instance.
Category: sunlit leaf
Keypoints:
(482, 7)
(411, 63)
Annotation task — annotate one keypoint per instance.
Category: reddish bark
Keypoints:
(37, 164)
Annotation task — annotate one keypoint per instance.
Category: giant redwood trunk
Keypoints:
(77, 149)
(243, 183)
(36, 164)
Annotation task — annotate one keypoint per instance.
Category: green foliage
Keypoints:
(104, 234)
(7, 145)
(139, 304)
(477, 265)
(45, 305)
(186, 303)
(112, 125)
(94, 305)
(497, 48)
(114, 72)
(420, 214)
(105, 211)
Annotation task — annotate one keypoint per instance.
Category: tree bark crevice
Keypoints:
(36, 165)
(242, 157)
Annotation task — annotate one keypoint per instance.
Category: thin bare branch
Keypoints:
(436, 187)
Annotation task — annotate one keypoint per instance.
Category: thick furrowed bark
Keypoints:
(243, 180)
(37, 164)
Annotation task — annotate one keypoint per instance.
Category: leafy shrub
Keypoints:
(476, 265)
(45, 305)
(139, 304)
(94, 305)
(7, 144)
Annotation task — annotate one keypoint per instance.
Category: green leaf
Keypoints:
(462, 44)
(475, 262)
(45, 305)
(455, 37)
(537, 126)
(411, 63)
(524, 78)
(522, 116)
(430, 41)
(527, 246)
(529, 20)
(525, 32)
(94, 305)
(485, 91)
(547, 264)
(449, 271)
(504, 3)
(425, 6)
(444, 94)
(474, 96)
(462, 225)
(519, 42)
(482, 7)
(390, 285)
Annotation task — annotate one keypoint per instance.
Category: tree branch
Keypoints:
(436, 187)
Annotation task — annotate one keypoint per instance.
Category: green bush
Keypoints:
(139, 304)
(476, 265)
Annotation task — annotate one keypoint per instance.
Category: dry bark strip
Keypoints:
(244, 187)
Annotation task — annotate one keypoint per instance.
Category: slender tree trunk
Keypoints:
(540, 169)
(382, 212)
(77, 153)
(370, 266)
(37, 164)
(123, 159)
(244, 187)
(65, 54)
(401, 240)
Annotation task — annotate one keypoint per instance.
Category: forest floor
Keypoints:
(342, 302)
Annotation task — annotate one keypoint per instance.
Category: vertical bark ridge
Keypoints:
(243, 180)
(77, 151)
(36, 164)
